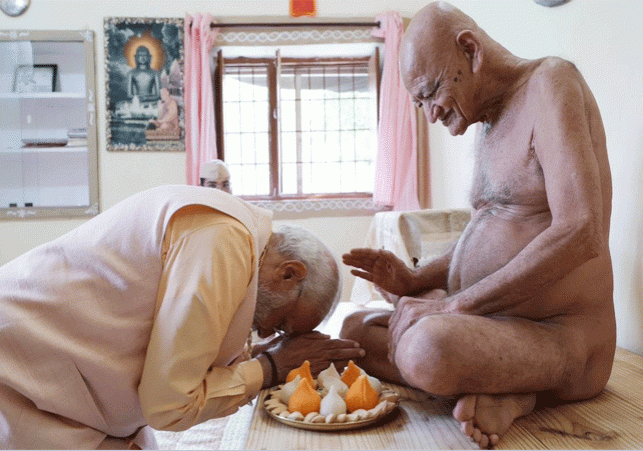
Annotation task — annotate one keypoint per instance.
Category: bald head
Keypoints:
(440, 19)
(431, 37)
(446, 64)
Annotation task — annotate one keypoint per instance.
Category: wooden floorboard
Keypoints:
(612, 420)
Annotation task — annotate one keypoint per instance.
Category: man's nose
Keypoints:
(432, 112)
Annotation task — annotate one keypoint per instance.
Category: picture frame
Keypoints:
(35, 78)
(144, 84)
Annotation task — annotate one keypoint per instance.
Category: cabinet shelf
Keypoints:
(42, 95)
(48, 155)
(58, 149)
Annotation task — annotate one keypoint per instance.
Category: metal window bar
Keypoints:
(343, 74)
(253, 114)
(308, 70)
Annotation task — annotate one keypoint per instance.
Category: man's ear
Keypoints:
(292, 269)
(469, 43)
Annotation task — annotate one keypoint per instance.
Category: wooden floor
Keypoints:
(613, 420)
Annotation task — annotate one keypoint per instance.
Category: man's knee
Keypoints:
(351, 326)
(356, 325)
(426, 358)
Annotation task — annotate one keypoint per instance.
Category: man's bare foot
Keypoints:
(486, 418)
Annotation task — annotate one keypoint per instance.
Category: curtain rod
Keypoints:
(288, 24)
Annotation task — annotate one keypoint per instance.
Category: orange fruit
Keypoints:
(303, 371)
(305, 399)
(361, 395)
(351, 373)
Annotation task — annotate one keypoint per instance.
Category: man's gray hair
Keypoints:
(322, 285)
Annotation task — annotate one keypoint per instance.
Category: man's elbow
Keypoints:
(583, 236)
(170, 420)
(589, 237)
(168, 414)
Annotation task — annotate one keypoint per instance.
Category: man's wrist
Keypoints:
(270, 374)
(416, 284)
(258, 348)
(423, 279)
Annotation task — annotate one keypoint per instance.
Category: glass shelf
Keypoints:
(47, 85)
(43, 95)
(16, 150)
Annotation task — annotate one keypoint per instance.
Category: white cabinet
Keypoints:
(48, 156)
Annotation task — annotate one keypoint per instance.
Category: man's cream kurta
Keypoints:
(109, 328)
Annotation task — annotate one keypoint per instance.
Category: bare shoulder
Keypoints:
(553, 75)
(553, 66)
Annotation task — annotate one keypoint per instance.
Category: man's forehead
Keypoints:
(421, 61)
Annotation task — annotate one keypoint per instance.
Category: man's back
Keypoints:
(76, 314)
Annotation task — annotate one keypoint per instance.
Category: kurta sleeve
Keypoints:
(205, 277)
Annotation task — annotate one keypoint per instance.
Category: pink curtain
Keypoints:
(200, 137)
(396, 161)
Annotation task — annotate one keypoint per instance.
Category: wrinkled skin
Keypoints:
(520, 308)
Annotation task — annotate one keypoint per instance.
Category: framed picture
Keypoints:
(144, 84)
(35, 78)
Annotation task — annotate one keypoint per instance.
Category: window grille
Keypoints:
(293, 128)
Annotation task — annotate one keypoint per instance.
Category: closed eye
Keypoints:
(419, 101)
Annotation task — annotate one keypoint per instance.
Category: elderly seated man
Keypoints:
(520, 310)
(140, 317)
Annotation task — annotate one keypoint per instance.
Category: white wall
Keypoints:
(602, 37)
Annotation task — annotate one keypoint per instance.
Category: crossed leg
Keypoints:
(495, 365)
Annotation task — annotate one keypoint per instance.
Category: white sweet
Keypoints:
(361, 414)
(332, 403)
(330, 372)
(288, 389)
(351, 417)
(295, 416)
(319, 419)
(375, 383)
(272, 402)
(333, 407)
(342, 388)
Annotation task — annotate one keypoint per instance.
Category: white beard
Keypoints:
(267, 301)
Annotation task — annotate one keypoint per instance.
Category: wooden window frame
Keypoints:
(273, 69)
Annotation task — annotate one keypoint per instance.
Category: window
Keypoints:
(298, 127)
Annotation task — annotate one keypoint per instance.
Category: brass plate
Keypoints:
(387, 393)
